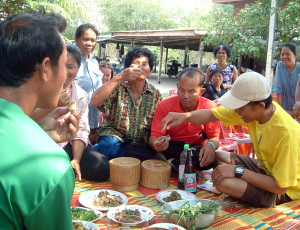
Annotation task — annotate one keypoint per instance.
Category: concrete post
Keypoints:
(160, 59)
(272, 25)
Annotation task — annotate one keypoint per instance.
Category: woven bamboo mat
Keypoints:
(285, 216)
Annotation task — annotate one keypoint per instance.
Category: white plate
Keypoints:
(98, 214)
(167, 226)
(185, 195)
(87, 198)
(146, 213)
(88, 225)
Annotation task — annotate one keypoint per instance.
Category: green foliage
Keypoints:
(123, 15)
(68, 8)
(247, 32)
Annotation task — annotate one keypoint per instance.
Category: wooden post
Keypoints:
(166, 61)
(132, 41)
(100, 49)
(200, 54)
(186, 51)
(160, 59)
(269, 68)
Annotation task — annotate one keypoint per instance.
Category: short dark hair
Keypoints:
(83, 27)
(25, 40)
(216, 70)
(75, 52)
(226, 48)
(267, 101)
(191, 72)
(138, 52)
(292, 47)
(244, 65)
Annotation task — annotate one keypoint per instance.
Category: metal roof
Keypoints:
(174, 39)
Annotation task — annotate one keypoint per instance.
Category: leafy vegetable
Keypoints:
(83, 214)
(188, 213)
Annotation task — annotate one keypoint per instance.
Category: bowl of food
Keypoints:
(130, 215)
(192, 214)
(84, 225)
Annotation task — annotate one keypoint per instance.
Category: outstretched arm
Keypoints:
(202, 116)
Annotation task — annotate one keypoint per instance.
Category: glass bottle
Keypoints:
(181, 167)
(190, 177)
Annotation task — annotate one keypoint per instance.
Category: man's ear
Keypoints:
(44, 68)
(262, 105)
(202, 91)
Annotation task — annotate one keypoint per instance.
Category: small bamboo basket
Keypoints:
(155, 174)
(125, 173)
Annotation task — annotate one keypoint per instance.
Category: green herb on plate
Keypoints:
(83, 214)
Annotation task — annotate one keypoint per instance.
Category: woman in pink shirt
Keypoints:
(86, 162)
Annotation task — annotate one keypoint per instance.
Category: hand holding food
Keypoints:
(72, 106)
(61, 130)
(64, 98)
(131, 73)
(167, 137)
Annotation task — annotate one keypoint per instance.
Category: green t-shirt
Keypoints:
(36, 177)
(276, 145)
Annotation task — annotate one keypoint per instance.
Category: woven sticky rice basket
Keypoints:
(125, 173)
(155, 174)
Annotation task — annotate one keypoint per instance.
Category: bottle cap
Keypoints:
(186, 146)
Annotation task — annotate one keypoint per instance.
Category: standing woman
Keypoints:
(107, 70)
(89, 76)
(287, 75)
(222, 52)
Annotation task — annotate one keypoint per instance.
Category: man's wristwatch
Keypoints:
(239, 171)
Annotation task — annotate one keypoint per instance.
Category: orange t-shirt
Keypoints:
(187, 132)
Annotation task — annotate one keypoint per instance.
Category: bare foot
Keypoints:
(234, 203)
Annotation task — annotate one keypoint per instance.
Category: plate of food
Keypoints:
(84, 225)
(130, 215)
(166, 196)
(167, 226)
(85, 214)
(102, 200)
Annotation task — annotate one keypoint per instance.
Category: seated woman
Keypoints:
(86, 162)
(215, 90)
(131, 102)
(221, 53)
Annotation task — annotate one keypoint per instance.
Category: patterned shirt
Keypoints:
(228, 73)
(127, 118)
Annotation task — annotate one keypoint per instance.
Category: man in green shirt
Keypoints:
(36, 177)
